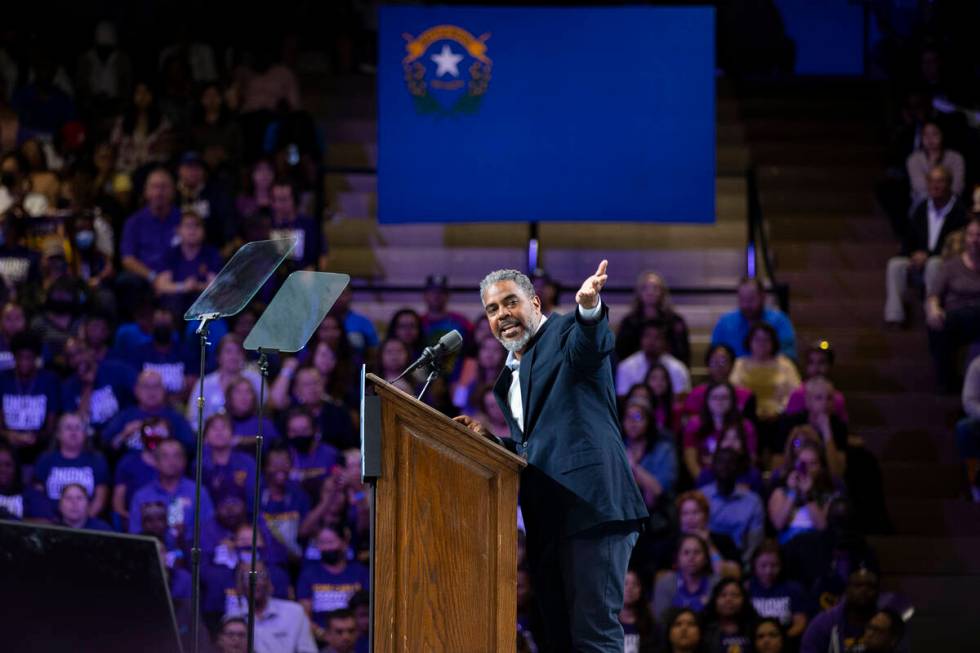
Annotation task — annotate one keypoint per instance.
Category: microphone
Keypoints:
(447, 344)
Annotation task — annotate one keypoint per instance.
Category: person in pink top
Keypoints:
(719, 359)
(818, 361)
(704, 431)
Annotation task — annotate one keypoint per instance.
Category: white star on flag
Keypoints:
(447, 61)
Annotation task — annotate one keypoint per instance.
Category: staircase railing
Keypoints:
(757, 242)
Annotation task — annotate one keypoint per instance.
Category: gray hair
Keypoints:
(519, 278)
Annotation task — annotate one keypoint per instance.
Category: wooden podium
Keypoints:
(444, 538)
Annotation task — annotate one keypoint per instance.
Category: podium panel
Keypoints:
(445, 558)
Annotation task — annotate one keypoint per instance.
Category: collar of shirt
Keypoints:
(938, 213)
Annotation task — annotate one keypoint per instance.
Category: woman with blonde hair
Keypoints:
(652, 302)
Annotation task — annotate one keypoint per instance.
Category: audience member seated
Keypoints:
(394, 358)
(748, 476)
(651, 453)
(689, 585)
(331, 418)
(188, 267)
(231, 368)
(652, 302)
(818, 361)
(953, 308)
(653, 349)
(31, 400)
(312, 459)
(257, 194)
(137, 467)
(720, 360)
(216, 134)
(148, 234)
(56, 321)
(821, 561)
(490, 359)
(884, 633)
(770, 376)
(683, 631)
(547, 290)
(438, 320)
(74, 510)
(226, 472)
(768, 636)
(406, 325)
(968, 429)
(72, 462)
(664, 405)
(13, 320)
(342, 504)
(704, 432)
(636, 617)
(733, 328)
(799, 502)
(17, 500)
(340, 632)
(487, 411)
(125, 429)
(280, 625)
(931, 223)
(735, 511)
(845, 623)
(728, 618)
(232, 635)
(329, 585)
(310, 252)
(165, 355)
(820, 417)
(773, 596)
(242, 405)
(361, 334)
(98, 389)
(174, 490)
(198, 194)
(932, 154)
(284, 503)
(141, 136)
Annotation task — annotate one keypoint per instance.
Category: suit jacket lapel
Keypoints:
(500, 390)
(527, 365)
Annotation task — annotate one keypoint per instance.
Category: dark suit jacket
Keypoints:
(917, 236)
(577, 475)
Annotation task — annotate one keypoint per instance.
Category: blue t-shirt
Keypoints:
(284, 516)
(309, 469)
(220, 595)
(112, 391)
(26, 504)
(180, 504)
(329, 591)
(91, 524)
(206, 262)
(360, 332)
(732, 328)
(148, 238)
(780, 602)
(54, 472)
(133, 473)
(171, 364)
(661, 462)
(250, 427)
(27, 404)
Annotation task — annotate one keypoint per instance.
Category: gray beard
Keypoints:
(516, 345)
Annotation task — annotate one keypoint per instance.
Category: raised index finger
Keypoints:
(602, 268)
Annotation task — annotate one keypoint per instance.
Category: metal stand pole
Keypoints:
(264, 370)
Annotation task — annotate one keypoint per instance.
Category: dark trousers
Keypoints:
(578, 587)
(962, 326)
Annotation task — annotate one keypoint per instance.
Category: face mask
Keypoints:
(85, 238)
(331, 557)
(301, 442)
(162, 335)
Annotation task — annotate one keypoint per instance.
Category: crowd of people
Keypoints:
(931, 194)
(123, 189)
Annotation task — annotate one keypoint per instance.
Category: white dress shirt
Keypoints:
(936, 219)
(514, 398)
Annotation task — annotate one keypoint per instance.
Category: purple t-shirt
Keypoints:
(54, 471)
(309, 469)
(781, 601)
(236, 478)
(148, 238)
(309, 243)
(180, 504)
(26, 404)
(26, 504)
(133, 472)
(207, 261)
(250, 427)
(329, 591)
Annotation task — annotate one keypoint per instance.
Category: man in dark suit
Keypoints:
(933, 220)
(582, 508)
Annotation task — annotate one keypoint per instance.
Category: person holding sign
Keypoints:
(582, 508)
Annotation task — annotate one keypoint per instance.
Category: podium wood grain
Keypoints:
(446, 534)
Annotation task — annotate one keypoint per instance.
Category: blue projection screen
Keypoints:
(534, 114)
